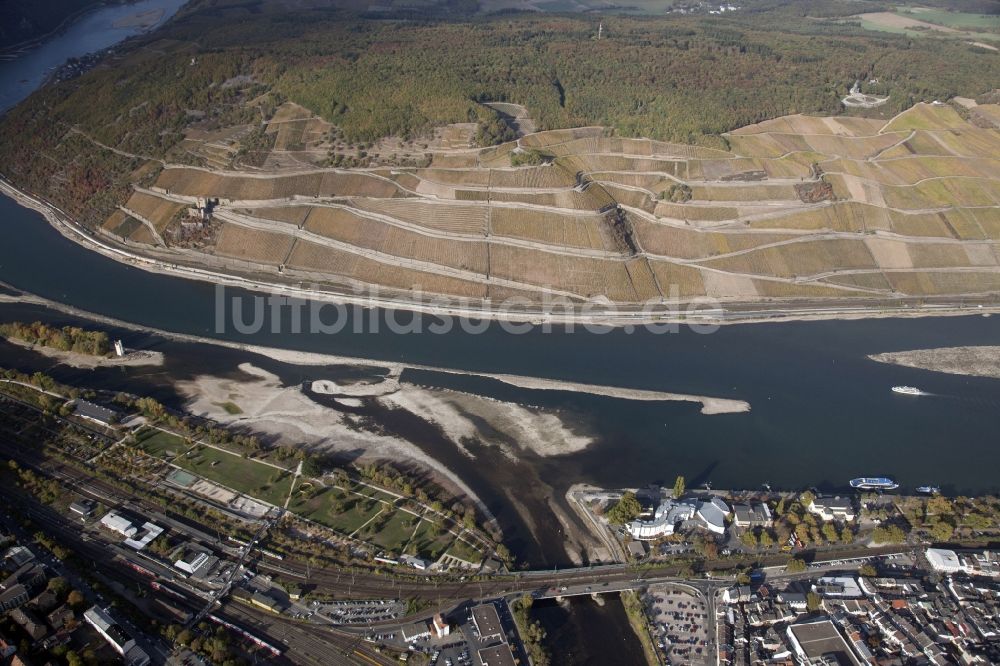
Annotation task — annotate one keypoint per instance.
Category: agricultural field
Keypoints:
(236, 242)
(160, 212)
(919, 21)
(799, 207)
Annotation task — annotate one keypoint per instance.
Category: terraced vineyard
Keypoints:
(800, 208)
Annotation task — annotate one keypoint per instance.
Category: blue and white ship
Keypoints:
(874, 483)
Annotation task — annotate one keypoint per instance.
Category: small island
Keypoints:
(79, 347)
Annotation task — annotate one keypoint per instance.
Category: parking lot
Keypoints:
(360, 612)
(680, 622)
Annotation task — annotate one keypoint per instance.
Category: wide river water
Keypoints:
(95, 30)
(821, 411)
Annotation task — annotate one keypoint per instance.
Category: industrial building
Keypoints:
(135, 537)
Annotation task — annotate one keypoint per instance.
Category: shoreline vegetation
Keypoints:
(67, 338)
(766, 312)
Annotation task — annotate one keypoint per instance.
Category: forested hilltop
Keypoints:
(683, 78)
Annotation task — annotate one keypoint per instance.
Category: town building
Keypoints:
(267, 601)
(707, 514)
(31, 625)
(487, 623)
(756, 514)
(841, 587)
(415, 562)
(82, 508)
(497, 655)
(441, 626)
(96, 413)
(833, 508)
(17, 588)
(116, 636)
(18, 556)
(817, 642)
(415, 632)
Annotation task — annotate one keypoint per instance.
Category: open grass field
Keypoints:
(331, 507)
(161, 444)
(371, 516)
(243, 475)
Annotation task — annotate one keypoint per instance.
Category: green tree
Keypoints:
(977, 521)
(813, 602)
(942, 531)
(830, 532)
(796, 565)
(76, 600)
(625, 510)
(679, 486)
(888, 534)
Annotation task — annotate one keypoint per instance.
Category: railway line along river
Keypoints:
(821, 411)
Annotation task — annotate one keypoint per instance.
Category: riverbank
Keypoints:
(710, 405)
(269, 407)
(701, 314)
(969, 361)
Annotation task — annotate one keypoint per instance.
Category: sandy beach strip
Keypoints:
(970, 361)
(710, 405)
